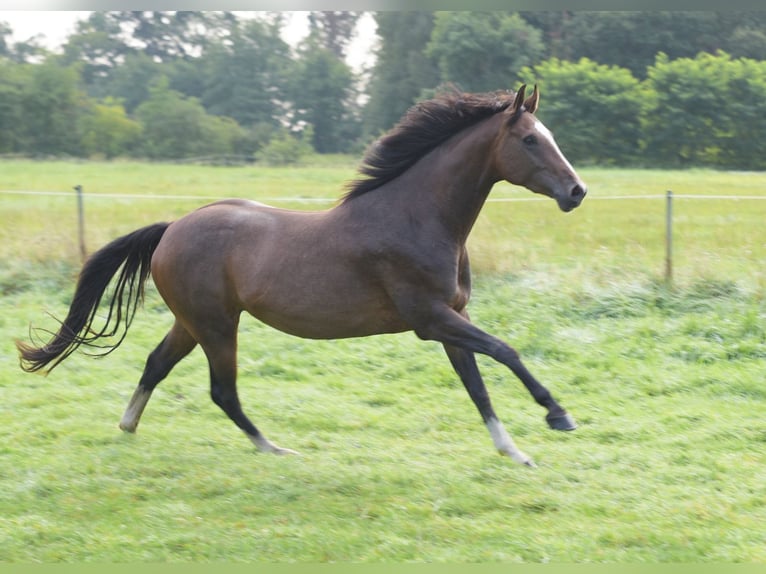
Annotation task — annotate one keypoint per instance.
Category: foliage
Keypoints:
(631, 39)
(333, 30)
(595, 109)
(107, 131)
(481, 51)
(177, 127)
(5, 33)
(606, 93)
(19, 52)
(130, 82)
(162, 36)
(322, 93)
(285, 148)
(96, 48)
(11, 97)
(51, 101)
(402, 70)
(245, 78)
(709, 110)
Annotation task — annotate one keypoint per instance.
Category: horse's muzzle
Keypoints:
(573, 198)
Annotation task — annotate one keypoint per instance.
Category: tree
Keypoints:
(108, 40)
(594, 109)
(742, 130)
(285, 147)
(401, 71)
(168, 36)
(107, 131)
(51, 103)
(632, 39)
(709, 110)
(482, 51)
(97, 47)
(26, 51)
(129, 81)
(333, 30)
(553, 26)
(176, 127)
(245, 77)
(323, 96)
(5, 33)
(12, 81)
(748, 41)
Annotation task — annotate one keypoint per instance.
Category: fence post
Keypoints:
(669, 238)
(81, 222)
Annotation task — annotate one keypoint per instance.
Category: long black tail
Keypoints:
(132, 252)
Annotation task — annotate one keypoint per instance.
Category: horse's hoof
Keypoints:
(519, 457)
(265, 445)
(128, 428)
(279, 451)
(563, 422)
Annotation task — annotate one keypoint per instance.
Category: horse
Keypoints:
(388, 257)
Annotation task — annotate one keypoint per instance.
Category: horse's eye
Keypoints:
(530, 140)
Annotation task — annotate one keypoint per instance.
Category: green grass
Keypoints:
(667, 385)
(603, 241)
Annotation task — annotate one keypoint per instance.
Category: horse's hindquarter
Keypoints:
(301, 272)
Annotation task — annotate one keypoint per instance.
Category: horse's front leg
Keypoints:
(464, 364)
(451, 328)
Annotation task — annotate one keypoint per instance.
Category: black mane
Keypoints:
(425, 126)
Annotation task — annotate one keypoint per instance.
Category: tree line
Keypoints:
(620, 88)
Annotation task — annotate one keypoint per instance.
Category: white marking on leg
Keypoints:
(504, 443)
(135, 409)
(265, 445)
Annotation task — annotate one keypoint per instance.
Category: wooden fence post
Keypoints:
(81, 222)
(669, 238)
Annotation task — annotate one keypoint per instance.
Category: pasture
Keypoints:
(667, 384)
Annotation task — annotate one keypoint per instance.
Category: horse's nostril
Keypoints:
(578, 192)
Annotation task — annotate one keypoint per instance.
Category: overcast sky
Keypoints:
(55, 26)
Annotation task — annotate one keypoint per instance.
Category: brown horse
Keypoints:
(390, 257)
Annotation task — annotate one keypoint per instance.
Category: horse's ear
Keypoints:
(532, 101)
(519, 101)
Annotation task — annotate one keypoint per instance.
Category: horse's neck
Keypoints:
(443, 192)
(458, 176)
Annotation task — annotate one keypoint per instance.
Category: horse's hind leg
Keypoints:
(221, 354)
(175, 346)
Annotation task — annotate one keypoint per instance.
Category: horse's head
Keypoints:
(526, 154)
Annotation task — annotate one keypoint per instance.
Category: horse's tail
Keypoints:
(132, 252)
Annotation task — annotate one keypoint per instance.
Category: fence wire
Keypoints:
(334, 199)
(668, 196)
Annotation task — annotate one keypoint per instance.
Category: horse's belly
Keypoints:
(322, 303)
(331, 322)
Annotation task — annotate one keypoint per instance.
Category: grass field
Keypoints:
(666, 383)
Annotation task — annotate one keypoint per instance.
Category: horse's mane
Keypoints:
(425, 126)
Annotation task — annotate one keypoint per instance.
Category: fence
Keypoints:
(669, 197)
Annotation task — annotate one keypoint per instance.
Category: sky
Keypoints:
(56, 26)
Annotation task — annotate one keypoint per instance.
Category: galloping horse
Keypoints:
(389, 257)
